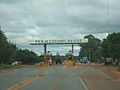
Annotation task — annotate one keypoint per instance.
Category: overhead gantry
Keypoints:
(55, 42)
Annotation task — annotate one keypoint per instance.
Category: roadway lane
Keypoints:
(59, 78)
(15, 76)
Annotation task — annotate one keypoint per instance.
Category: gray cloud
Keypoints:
(23, 20)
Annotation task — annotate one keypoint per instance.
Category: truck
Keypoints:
(85, 60)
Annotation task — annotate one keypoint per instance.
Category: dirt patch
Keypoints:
(115, 73)
(101, 78)
(109, 70)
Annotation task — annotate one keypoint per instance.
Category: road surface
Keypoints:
(51, 78)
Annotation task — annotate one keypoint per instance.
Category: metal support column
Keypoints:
(72, 48)
(45, 48)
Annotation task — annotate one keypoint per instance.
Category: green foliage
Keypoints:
(26, 56)
(10, 53)
(97, 55)
(25, 53)
(90, 47)
(2, 66)
(119, 67)
(3, 39)
(6, 49)
(111, 46)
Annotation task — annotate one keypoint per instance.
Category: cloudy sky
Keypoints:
(24, 20)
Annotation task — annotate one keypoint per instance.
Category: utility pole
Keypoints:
(89, 54)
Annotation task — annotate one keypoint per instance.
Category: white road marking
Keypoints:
(83, 84)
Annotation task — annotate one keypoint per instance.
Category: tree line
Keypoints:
(95, 49)
(10, 53)
(98, 50)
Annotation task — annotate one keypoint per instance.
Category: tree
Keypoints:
(26, 56)
(111, 46)
(7, 50)
(97, 55)
(10, 53)
(88, 49)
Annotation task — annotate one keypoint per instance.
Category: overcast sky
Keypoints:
(24, 20)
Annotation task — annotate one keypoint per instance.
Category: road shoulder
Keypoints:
(100, 78)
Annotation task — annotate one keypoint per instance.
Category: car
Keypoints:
(58, 61)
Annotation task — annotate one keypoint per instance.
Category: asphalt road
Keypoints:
(53, 78)
(15, 76)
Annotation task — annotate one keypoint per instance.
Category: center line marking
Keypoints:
(25, 82)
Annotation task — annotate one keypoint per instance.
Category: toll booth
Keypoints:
(48, 59)
(69, 56)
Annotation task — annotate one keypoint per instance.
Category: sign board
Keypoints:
(42, 42)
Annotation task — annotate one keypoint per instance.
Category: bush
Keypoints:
(4, 66)
(119, 67)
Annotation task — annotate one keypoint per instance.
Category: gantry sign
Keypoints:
(52, 42)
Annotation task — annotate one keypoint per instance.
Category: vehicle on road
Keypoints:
(85, 60)
(69, 55)
(48, 58)
(58, 59)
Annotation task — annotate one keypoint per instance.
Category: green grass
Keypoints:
(2, 66)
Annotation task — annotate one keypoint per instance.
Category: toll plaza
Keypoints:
(69, 55)
(53, 42)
